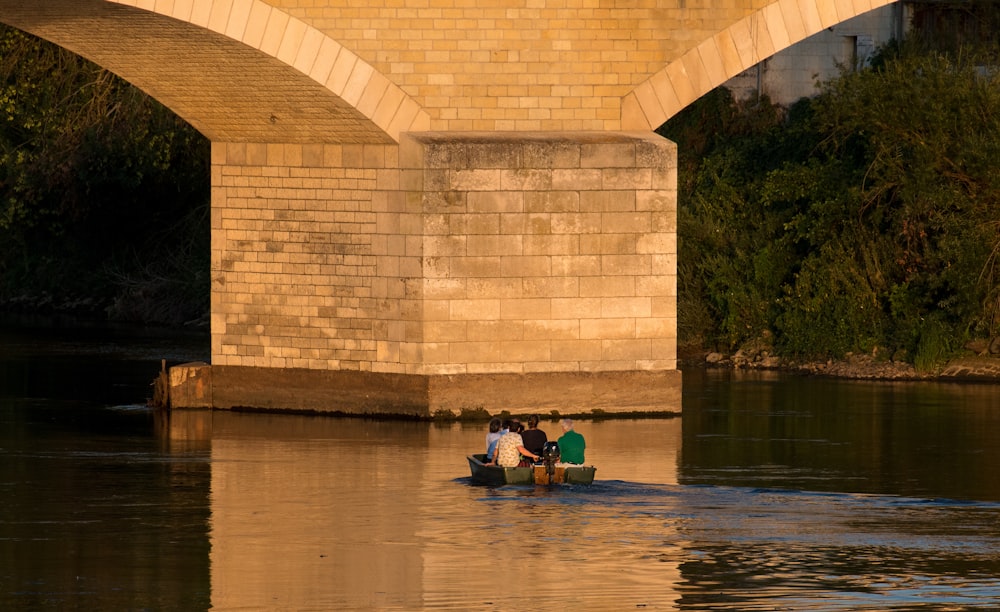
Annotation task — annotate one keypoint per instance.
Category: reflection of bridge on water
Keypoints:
(324, 513)
(433, 209)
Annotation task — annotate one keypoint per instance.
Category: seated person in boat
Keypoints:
(534, 438)
(571, 443)
(492, 437)
(510, 449)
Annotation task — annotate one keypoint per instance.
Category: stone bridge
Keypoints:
(423, 206)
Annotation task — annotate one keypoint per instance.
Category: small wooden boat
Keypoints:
(537, 474)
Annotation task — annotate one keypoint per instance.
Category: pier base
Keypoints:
(415, 396)
(451, 272)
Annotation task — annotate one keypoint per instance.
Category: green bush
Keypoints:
(865, 217)
(97, 184)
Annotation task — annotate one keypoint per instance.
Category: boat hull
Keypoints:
(496, 476)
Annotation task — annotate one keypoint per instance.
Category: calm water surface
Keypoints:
(770, 493)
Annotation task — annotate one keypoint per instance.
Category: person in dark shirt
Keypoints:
(534, 438)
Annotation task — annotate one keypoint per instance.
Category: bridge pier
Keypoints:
(453, 271)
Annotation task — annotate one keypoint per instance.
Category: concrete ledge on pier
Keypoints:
(189, 385)
(414, 396)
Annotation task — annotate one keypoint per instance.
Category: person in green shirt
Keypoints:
(571, 444)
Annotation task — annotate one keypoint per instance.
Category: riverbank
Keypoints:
(974, 366)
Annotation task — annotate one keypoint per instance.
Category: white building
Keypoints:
(795, 72)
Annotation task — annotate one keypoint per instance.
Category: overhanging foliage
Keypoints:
(103, 191)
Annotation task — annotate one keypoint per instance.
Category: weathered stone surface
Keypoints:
(415, 396)
(190, 385)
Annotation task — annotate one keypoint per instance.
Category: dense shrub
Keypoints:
(102, 189)
(865, 218)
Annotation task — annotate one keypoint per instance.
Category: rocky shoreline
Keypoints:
(979, 367)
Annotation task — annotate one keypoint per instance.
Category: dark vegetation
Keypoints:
(104, 193)
(864, 220)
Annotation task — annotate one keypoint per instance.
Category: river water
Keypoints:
(772, 492)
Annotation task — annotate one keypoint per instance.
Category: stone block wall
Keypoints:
(534, 253)
(450, 254)
(520, 65)
(295, 253)
(340, 71)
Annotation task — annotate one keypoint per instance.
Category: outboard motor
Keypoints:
(550, 457)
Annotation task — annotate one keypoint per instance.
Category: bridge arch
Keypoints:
(750, 40)
(237, 70)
